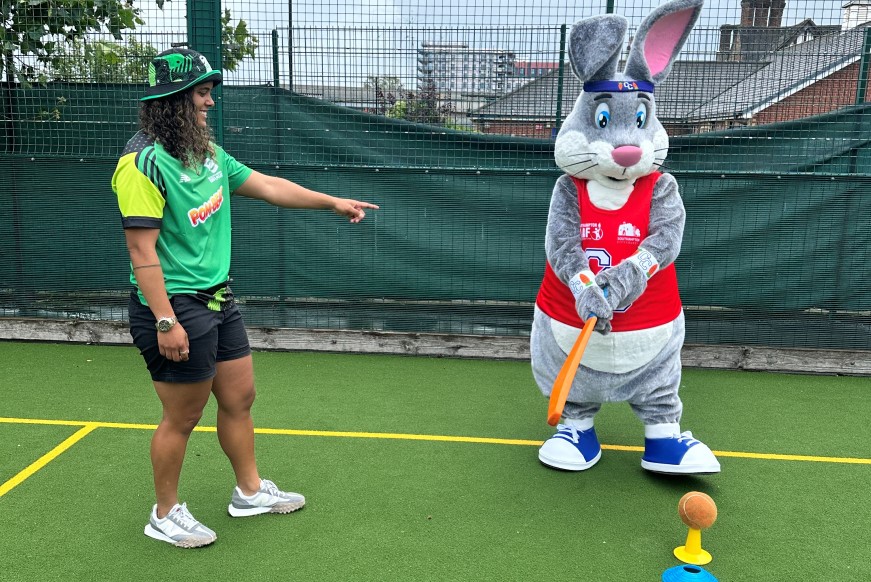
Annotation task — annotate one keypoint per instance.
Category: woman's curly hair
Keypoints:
(172, 121)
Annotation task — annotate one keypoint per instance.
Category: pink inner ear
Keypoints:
(662, 38)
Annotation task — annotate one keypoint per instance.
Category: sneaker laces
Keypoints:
(183, 517)
(567, 432)
(269, 487)
(686, 437)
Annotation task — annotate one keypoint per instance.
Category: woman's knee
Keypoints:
(238, 400)
(182, 421)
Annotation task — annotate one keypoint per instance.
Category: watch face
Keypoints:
(165, 324)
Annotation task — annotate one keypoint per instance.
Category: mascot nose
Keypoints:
(626, 155)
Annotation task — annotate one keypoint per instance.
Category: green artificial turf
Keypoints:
(409, 510)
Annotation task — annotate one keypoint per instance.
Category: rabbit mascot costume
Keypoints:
(614, 230)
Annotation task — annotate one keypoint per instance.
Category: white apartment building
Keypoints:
(461, 73)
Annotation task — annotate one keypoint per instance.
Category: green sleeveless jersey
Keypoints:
(190, 206)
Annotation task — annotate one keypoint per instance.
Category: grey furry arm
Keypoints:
(667, 219)
(627, 281)
(566, 256)
(562, 243)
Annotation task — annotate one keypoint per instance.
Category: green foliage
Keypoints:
(33, 28)
(458, 127)
(425, 106)
(102, 61)
(39, 38)
(53, 114)
(238, 44)
(386, 84)
(386, 90)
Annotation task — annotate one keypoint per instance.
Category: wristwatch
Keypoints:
(165, 324)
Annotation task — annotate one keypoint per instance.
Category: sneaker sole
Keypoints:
(553, 463)
(277, 508)
(680, 469)
(156, 534)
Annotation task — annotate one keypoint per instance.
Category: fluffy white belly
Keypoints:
(617, 352)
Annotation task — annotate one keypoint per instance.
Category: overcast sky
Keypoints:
(269, 14)
(335, 40)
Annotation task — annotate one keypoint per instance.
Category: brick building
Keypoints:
(799, 71)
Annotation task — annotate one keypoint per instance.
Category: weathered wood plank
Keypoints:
(847, 362)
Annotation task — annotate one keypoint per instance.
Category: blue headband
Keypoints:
(618, 86)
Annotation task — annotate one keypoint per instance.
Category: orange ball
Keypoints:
(697, 510)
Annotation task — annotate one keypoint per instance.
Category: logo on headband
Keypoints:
(618, 86)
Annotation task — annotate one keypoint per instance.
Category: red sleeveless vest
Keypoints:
(608, 237)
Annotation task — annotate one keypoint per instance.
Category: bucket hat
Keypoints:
(176, 70)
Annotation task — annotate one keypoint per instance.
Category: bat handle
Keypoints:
(562, 385)
(605, 293)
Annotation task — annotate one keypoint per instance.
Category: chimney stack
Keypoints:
(855, 13)
(762, 13)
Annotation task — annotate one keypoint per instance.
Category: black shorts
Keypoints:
(214, 336)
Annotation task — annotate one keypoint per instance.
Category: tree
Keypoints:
(102, 61)
(386, 91)
(237, 43)
(425, 106)
(35, 34)
(33, 28)
(386, 83)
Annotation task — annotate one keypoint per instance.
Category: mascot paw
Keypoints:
(679, 455)
(570, 449)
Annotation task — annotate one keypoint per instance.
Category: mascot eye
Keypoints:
(641, 115)
(603, 115)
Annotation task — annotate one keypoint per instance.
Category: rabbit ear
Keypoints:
(594, 46)
(660, 38)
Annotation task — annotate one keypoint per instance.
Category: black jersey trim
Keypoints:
(146, 159)
(141, 222)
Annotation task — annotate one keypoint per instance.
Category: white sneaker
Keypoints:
(269, 499)
(179, 528)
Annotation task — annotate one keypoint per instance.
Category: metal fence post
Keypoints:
(609, 6)
(276, 81)
(290, 45)
(560, 81)
(204, 36)
(862, 85)
(276, 98)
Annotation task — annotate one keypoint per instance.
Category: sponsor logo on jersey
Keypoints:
(184, 178)
(199, 215)
(628, 232)
(592, 231)
(212, 166)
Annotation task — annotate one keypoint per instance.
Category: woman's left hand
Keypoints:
(353, 209)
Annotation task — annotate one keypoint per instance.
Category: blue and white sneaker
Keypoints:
(571, 449)
(679, 454)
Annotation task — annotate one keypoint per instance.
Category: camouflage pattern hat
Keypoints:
(176, 70)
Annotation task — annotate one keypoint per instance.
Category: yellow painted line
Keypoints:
(398, 436)
(623, 448)
(805, 458)
(41, 421)
(47, 458)
(433, 438)
(96, 424)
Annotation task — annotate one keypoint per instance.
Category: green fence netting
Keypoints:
(766, 108)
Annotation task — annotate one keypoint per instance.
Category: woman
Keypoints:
(173, 186)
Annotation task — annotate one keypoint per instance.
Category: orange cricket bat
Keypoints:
(563, 383)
